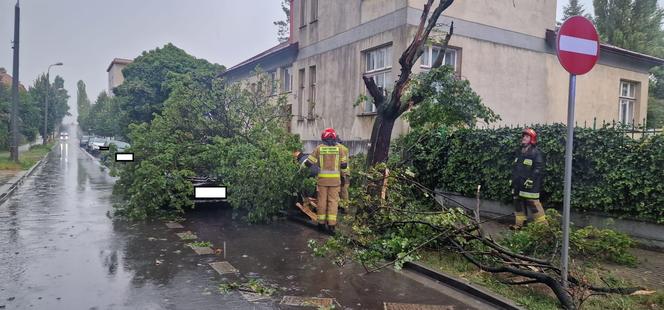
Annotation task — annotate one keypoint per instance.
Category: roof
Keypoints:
(119, 61)
(651, 61)
(284, 51)
(6, 79)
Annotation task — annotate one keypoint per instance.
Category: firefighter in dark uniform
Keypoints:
(526, 180)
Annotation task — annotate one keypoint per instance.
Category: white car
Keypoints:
(64, 136)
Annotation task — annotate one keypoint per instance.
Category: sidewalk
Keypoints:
(648, 273)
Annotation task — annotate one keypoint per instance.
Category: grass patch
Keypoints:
(200, 244)
(26, 159)
(538, 296)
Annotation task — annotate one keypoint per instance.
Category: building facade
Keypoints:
(505, 49)
(115, 77)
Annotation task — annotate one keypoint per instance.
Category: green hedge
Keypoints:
(613, 173)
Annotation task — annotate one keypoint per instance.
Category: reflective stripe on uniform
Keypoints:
(329, 175)
(321, 217)
(528, 162)
(520, 216)
(312, 159)
(329, 150)
(529, 195)
(331, 217)
(540, 219)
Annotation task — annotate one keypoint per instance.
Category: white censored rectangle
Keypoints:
(578, 45)
(124, 156)
(210, 192)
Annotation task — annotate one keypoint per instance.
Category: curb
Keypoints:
(17, 180)
(463, 285)
(457, 283)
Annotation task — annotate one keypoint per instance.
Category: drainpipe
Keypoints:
(290, 33)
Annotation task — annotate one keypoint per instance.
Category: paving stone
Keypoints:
(202, 250)
(224, 267)
(187, 235)
(307, 301)
(253, 297)
(399, 306)
(174, 225)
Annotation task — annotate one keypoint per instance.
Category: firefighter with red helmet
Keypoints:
(332, 161)
(526, 180)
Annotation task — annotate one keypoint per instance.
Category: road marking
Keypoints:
(224, 267)
(174, 225)
(307, 301)
(578, 45)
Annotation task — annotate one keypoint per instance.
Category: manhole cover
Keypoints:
(202, 250)
(398, 306)
(187, 235)
(174, 225)
(223, 267)
(307, 301)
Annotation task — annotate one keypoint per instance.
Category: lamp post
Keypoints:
(48, 91)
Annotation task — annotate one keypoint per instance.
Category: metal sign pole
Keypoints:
(568, 177)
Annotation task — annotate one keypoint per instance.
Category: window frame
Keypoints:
(313, 8)
(286, 80)
(303, 13)
(274, 82)
(311, 96)
(429, 54)
(374, 71)
(627, 100)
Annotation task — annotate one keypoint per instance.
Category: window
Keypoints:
(300, 94)
(431, 53)
(314, 10)
(378, 67)
(312, 91)
(286, 79)
(627, 102)
(272, 79)
(303, 13)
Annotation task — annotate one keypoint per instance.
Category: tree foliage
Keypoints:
(103, 117)
(283, 26)
(631, 24)
(574, 8)
(83, 106)
(227, 132)
(57, 104)
(145, 88)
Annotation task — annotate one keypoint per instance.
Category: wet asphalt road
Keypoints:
(60, 249)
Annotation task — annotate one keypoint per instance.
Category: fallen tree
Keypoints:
(409, 219)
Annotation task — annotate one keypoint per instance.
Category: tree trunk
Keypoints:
(380, 139)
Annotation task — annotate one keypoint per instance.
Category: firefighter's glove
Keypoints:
(528, 184)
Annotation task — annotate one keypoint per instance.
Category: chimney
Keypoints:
(290, 18)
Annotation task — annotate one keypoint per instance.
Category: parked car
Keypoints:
(95, 143)
(84, 141)
(121, 146)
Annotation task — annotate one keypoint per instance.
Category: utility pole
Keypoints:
(14, 121)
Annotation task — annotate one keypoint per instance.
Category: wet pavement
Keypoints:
(60, 249)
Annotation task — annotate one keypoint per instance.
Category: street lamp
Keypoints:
(48, 88)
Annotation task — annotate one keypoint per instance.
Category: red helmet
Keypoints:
(531, 133)
(329, 133)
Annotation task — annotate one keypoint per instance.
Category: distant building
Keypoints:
(115, 77)
(506, 51)
(6, 79)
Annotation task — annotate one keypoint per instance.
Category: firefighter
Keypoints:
(301, 158)
(345, 176)
(527, 180)
(332, 161)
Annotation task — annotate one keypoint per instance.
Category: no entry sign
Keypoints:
(577, 45)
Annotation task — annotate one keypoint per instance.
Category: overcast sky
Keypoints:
(87, 34)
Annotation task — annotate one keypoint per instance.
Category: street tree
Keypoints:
(83, 105)
(104, 116)
(631, 24)
(57, 102)
(283, 26)
(144, 91)
(574, 8)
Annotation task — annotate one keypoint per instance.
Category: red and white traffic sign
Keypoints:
(577, 45)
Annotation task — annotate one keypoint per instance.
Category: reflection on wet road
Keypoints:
(60, 249)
